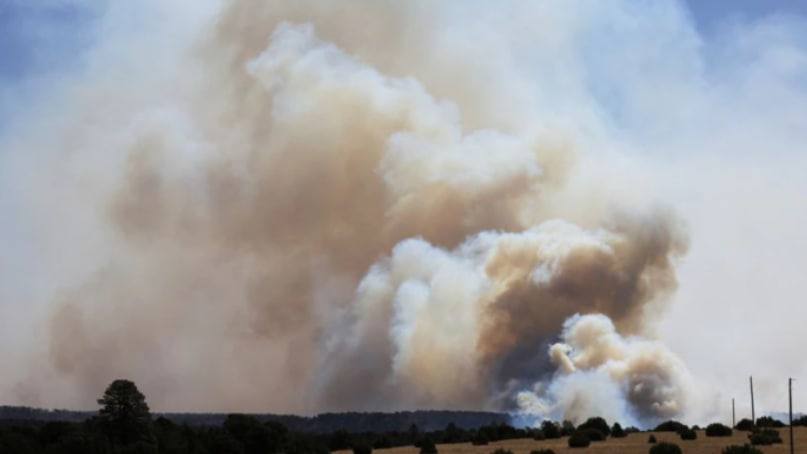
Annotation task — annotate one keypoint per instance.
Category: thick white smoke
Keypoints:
(305, 206)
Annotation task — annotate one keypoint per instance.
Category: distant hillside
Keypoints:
(426, 420)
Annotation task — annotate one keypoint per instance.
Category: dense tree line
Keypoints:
(124, 424)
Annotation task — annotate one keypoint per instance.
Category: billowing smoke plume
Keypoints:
(341, 206)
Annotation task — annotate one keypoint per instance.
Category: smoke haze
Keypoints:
(309, 206)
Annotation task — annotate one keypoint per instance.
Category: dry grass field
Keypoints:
(632, 444)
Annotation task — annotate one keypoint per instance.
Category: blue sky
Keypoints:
(46, 36)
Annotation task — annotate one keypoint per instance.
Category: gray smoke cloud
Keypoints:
(364, 206)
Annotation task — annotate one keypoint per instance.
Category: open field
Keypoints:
(632, 444)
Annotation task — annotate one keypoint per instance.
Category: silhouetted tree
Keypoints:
(687, 434)
(596, 423)
(124, 415)
(427, 446)
(718, 430)
(665, 448)
(579, 439)
(767, 421)
(745, 449)
(617, 431)
(550, 429)
(671, 426)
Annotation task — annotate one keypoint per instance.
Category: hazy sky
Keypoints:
(709, 105)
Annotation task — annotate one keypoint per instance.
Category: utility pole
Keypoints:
(753, 415)
(790, 412)
(733, 415)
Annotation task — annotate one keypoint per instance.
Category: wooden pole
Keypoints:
(790, 412)
(753, 415)
(733, 414)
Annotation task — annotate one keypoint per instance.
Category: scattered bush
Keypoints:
(479, 439)
(566, 429)
(745, 424)
(688, 434)
(767, 421)
(764, 437)
(362, 449)
(800, 421)
(538, 435)
(596, 423)
(550, 429)
(718, 430)
(617, 431)
(427, 447)
(632, 430)
(651, 439)
(542, 451)
(579, 439)
(670, 426)
(665, 448)
(744, 449)
(593, 434)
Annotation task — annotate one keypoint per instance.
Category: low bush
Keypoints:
(718, 430)
(665, 448)
(670, 426)
(617, 431)
(538, 435)
(632, 430)
(593, 434)
(542, 451)
(745, 424)
(744, 449)
(651, 439)
(479, 439)
(764, 437)
(362, 449)
(688, 434)
(596, 423)
(502, 451)
(800, 421)
(579, 439)
(566, 429)
(550, 429)
(427, 447)
(767, 421)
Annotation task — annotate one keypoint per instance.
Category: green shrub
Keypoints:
(427, 447)
(538, 435)
(718, 430)
(767, 421)
(617, 431)
(665, 448)
(632, 430)
(362, 449)
(670, 426)
(764, 437)
(651, 439)
(688, 434)
(596, 423)
(579, 439)
(479, 439)
(593, 434)
(744, 449)
(567, 428)
(745, 424)
(550, 429)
